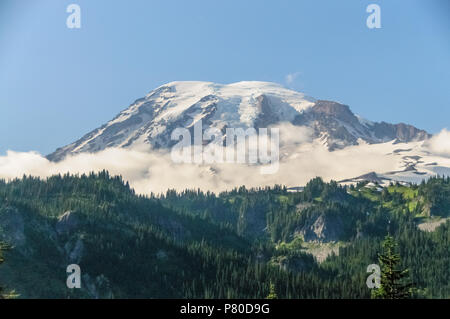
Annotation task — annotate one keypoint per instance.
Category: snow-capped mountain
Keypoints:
(149, 121)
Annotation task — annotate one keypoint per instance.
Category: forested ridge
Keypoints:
(236, 244)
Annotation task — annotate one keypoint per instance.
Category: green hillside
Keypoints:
(229, 245)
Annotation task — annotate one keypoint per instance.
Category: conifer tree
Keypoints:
(394, 280)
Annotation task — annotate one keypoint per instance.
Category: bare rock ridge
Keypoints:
(339, 127)
(149, 121)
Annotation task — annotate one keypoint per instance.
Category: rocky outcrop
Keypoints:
(323, 229)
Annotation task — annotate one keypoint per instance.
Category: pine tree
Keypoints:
(394, 280)
(272, 292)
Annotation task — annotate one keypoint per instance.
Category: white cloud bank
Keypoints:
(301, 159)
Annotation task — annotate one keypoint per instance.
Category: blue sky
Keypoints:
(56, 84)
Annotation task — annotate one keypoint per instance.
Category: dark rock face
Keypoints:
(266, 115)
(334, 110)
(402, 132)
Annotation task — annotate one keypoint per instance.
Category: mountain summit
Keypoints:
(149, 121)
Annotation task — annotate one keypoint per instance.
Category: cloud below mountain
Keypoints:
(156, 172)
